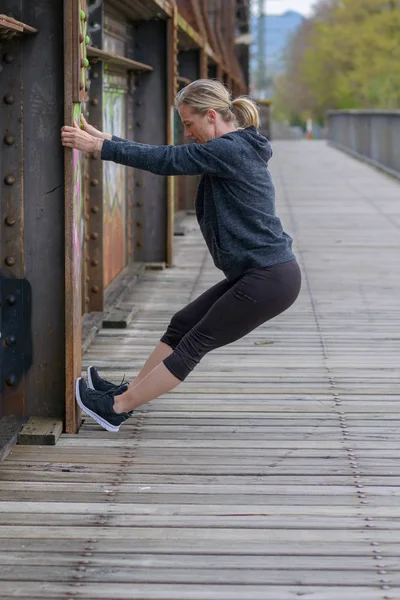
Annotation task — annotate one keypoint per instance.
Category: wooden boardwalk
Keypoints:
(273, 472)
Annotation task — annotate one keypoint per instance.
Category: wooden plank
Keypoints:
(32, 589)
(40, 431)
(9, 429)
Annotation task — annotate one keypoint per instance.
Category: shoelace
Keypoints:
(116, 387)
(123, 382)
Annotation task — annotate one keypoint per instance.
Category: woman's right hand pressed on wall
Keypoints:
(93, 131)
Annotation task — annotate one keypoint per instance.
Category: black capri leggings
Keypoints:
(228, 311)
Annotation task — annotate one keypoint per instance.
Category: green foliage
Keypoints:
(346, 56)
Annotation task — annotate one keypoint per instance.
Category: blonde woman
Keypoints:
(235, 207)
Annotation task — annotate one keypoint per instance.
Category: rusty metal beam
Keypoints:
(74, 54)
(12, 230)
(96, 54)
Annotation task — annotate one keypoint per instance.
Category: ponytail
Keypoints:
(246, 112)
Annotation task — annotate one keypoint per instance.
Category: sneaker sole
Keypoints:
(94, 416)
(89, 377)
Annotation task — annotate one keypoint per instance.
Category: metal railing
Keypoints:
(372, 135)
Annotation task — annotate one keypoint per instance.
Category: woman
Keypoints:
(235, 207)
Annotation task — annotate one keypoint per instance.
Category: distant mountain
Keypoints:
(277, 31)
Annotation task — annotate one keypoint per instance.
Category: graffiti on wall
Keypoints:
(114, 210)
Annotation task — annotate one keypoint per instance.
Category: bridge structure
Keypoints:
(273, 471)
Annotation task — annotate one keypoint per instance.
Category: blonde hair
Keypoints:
(203, 94)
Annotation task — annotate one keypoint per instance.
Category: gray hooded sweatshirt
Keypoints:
(235, 197)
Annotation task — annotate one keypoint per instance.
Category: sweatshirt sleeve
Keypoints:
(216, 156)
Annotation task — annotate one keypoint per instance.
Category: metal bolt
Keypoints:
(9, 179)
(8, 58)
(10, 261)
(11, 380)
(8, 139)
(11, 340)
(95, 289)
(11, 299)
(10, 221)
(94, 235)
(9, 98)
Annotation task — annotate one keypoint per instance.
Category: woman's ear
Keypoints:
(212, 115)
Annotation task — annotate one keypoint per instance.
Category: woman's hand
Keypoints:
(93, 131)
(74, 137)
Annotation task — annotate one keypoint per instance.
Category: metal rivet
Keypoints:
(9, 98)
(81, 86)
(95, 289)
(94, 101)
(139, 184)
(11, 340)
(10, 221)
(382, 572)
(94, 262)
(8, 58)
(94, 235)
(95, 209)
(10, 261)
(81, 38)
(8, 139)
(11, 299)
(11, 380)
(94, 182)
(9, 179)
(368, 518)
(375, 544)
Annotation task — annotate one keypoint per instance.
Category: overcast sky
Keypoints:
(277, 7)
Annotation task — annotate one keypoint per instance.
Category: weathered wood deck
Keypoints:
(273, 472)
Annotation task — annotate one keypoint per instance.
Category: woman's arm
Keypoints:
(215, 156)
(218, 156)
